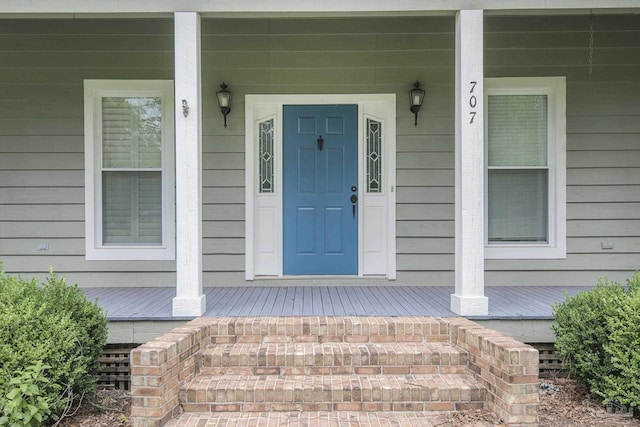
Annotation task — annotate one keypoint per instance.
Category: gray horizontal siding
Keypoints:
(43, 64)
(603, 139)
(42, 67)
(325, 56)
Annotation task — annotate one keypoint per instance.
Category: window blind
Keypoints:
(131, 171)
(518, 175)
(517, 130)
(518, 205)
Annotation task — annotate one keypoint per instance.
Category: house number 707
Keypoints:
(473, 102)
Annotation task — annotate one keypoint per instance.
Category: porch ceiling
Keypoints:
(307, 8)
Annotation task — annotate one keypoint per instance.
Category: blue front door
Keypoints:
(320, 177)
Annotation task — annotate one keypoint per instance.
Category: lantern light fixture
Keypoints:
(416, 96)
(224, 101)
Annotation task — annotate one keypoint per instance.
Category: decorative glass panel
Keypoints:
(265, 156)
(131, 132)
(374, 156)
(517, 130)
(518, 202)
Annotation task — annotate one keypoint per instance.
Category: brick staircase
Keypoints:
(330, 370)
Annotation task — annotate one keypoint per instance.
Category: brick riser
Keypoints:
(331, 364)
(331, 370)
(312, 418)
(238, 393)
(329, 329)
(332, 359)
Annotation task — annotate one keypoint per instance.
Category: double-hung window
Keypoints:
(129, 170)
(525, 159)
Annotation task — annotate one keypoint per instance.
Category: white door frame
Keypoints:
(263, 211)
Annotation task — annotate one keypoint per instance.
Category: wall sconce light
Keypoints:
(416, 96)
(224, 100)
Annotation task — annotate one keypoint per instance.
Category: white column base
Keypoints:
(189, 307)
(469, 306)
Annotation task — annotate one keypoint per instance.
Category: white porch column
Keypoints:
(469, 296)
(189, 300)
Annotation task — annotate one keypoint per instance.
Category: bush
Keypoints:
(598, 336)
(49, 325)
(23, 403)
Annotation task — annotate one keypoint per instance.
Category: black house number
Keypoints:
(473, 102)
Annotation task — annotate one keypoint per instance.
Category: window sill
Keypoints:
(508, 251)
(131, 254)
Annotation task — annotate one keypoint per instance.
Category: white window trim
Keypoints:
(555, 89)
(94, 91)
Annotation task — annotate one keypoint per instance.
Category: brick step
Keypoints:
(332, 359)
(253, 393)
(328, 329)
(311, 418)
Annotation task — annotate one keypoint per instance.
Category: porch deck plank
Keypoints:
(394, 297)
(317, 301)
(505, 302)
(379, 304)
(348, 305)
(269, 300)
(278, 302)
(255, 302)
(336, 303)
(356, 299)
(239, 307)
(327, 305)
(365, 301)
(307, 301)
(533, 302)
(431, 300)
(229, 301)
(297, 302)
(249, 301)
(415, 303)
(217, 295)
(131, 304)
(372, 305)
(114, 299)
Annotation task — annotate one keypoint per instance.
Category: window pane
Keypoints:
(265, 156)
(517, 130)
(131, 132)
(518, 205)
(374, 156)
(132, 208)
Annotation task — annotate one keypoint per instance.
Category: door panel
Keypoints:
(319, 225)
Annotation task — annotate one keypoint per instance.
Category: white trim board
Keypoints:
(555, 89)
(263, 212)
(252, 8)
(94, 91)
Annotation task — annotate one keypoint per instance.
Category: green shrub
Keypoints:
(622, 384)
(23, 404)
(598, 336)
(50, 324)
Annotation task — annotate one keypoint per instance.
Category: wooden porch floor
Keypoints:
(505, 302)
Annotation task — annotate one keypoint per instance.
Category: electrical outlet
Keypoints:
(607, 245)
(43, 246)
